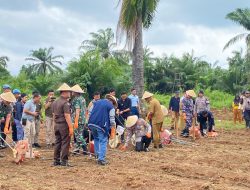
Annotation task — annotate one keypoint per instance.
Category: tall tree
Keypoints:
(3, 61)
(103, 41)
(44, 62)
(241, 17)
(134, 16)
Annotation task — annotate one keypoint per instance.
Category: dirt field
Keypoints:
(221, 163)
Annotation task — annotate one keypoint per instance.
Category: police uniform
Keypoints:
(188, 109)
(62, 143)
(246, 110)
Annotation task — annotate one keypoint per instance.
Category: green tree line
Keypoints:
(101, 66)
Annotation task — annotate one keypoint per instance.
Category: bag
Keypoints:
(196, 131)
(165, 137)
(24, 122)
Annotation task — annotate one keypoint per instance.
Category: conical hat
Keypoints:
(147, 95)
(8, 96)
(191, 93)
(112, 98)
(77, 89)
(131, 121)
(64, 87)
(164, 110)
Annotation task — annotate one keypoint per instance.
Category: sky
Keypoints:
(179, 26)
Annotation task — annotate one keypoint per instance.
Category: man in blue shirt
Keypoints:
(18, 116)
(135, 103)
(174, 109)
(101, 121)
(28, 117)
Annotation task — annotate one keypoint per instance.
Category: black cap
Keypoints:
(201, 92)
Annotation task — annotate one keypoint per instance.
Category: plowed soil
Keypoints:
(213, 163)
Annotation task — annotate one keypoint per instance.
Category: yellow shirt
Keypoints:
(235, 106)
(155, 109)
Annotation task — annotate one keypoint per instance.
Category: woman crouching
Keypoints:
(142, 131)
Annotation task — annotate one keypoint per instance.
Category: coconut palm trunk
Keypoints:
(137, 64)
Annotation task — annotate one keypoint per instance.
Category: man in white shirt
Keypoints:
(135, 103)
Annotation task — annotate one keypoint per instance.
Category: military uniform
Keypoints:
(4, 111)
(79, 103)
(62, 144)
(188, 110)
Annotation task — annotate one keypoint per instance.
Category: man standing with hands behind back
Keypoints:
(50, 135)
(63, 127)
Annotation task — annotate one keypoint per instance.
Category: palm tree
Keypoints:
(241, 17)
(3, 61)
(103, 41)
(44, 62)
(134, 16)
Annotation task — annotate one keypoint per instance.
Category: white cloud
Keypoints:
(205, 41)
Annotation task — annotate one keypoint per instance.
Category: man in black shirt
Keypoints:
(123, 110)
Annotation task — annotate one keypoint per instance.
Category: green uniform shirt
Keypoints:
(4, 110)
(79, 103)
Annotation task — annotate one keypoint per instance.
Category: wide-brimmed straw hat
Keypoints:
(131, 121)
(191, 93)
(64, 87)
(112, 98)
(147, 95)
(8, 97)
(77, 89)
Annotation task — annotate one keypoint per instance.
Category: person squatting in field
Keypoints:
(142, 131)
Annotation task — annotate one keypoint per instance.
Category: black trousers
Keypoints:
(14, 132)
(62, 143)
(141, 146)
(2, 133)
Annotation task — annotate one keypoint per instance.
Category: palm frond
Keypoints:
(234, 40)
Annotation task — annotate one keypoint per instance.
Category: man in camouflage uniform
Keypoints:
(188, 111)
(78, 105)
(5, 114)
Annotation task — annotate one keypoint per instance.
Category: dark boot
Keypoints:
(102, 162)
(66, 164)
(56, 163)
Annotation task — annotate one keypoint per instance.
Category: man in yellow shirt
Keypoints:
(155, 114)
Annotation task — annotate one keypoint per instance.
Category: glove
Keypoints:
(148, 135)
(76, 125)
(6, 130)
(76, 122)
(71, 131)
(184, 117)
(112, 135)
(123, 148)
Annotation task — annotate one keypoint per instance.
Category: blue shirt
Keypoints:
(19, 110)
(174, 104)
(101, 117)
(134, 100)
(30, 106)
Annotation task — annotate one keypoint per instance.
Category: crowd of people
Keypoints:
(185, 111)
(69, 119)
